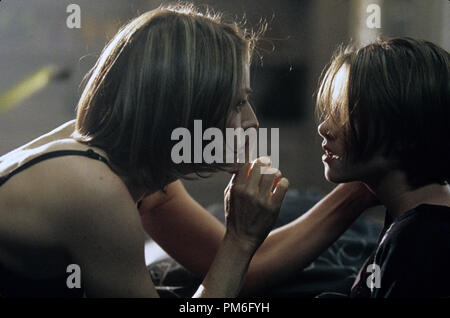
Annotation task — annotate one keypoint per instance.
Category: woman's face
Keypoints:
(242, 114)
(338, 167)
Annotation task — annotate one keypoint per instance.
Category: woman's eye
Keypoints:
(240, 105)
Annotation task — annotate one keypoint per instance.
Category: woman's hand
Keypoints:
(252, 202)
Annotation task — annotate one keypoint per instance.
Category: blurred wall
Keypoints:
(302, 36)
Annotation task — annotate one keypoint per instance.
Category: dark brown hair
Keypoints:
(395, 103)
(161, 71)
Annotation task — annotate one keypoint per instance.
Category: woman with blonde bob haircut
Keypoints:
(161, 71)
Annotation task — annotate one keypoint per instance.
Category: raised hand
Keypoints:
(252, 202)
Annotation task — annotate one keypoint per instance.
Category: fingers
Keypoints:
(258, 177)
(241, 176)
(268, 181)
(251, 207)
(255, 172)
(230, 184)
(280, 191)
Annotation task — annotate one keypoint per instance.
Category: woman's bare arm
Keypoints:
(292, 247)
(286, 250)
(102, 232)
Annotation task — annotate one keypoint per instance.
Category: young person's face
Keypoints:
(338, 167)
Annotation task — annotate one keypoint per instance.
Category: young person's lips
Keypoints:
(329, 156)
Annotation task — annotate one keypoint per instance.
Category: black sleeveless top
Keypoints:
(412, 257)
(13, 284)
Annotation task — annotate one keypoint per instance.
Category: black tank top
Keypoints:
(13, 284)
(413, 257)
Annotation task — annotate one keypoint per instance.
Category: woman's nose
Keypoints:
(250, 119)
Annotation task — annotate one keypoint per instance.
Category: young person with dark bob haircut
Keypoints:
(85, 192)
(386, 123)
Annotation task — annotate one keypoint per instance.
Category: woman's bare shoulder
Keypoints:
(65, 198)
(61, 132)
(85, 179)
(88, 195)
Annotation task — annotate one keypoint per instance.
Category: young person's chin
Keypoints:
(335, 177)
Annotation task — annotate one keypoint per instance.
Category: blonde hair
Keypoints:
(161, 71)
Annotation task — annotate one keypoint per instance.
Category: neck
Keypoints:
(394, 192)
(139, 192)
(136, 192)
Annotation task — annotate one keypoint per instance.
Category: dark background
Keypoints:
(301, 38)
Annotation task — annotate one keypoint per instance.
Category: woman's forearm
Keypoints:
(292, 247)
(251, 209)
(227, 272)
